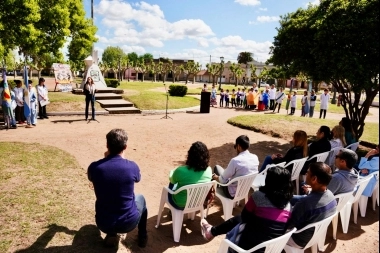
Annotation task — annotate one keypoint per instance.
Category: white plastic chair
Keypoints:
(196, 195)
(275, 245)
(375, 195)
(319, 231)
(354, 146)
(297, 167)
(243, 185)
(330, 161)
(260, 178)
(345, 213)
(363, 200)
(321, 157)
(342, 200)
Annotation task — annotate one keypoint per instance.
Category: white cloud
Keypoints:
(248, 2)
(315, 2)
(265, 19)
(263, 9)
(253, 22)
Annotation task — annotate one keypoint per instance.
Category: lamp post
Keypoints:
(221, 71)
(119, 72)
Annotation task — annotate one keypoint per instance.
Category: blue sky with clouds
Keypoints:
(191, 29)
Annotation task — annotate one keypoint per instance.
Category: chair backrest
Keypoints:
(320, 229)
(361, 185)
(376, 175)
(244, 183)
(354, 146)
(330, 161)
(297, 167)
(342, 200)
(196, 194)
(264, 172)
(275, 245)
(321, 157)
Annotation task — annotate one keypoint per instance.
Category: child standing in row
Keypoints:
(238, 95)
(313, 98)
(243, 101)
(305, 104)
(227, 98)
(293, 103)
(221, 101)
(233, 98)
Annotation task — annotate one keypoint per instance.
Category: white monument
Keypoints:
(92, 70)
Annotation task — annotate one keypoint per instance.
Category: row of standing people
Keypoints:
(36, 98)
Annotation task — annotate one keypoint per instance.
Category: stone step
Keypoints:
(107, 103)
(104, 96)
(123, 110)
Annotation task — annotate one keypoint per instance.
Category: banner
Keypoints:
(62, 73)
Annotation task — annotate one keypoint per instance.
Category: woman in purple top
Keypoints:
(263, 218)
(118, 209)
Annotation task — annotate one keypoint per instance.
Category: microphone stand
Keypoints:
(167, 101)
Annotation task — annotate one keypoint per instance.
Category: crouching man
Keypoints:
(118, 209)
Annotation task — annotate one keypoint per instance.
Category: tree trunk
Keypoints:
(143, 77)
(14, 73)
(39, 73)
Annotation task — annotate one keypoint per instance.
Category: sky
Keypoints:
(191, 29)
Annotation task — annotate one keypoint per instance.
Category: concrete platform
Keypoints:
(106, 96)
(107, 103)
(97, 112)
(122, 110)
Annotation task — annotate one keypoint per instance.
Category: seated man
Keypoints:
(243, 164)
(117, 208)
(316, 206)
(367, 165)
(344, 179)
(321, 145)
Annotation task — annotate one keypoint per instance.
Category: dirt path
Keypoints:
(159, 145)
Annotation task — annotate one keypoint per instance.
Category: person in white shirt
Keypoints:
(279, 97)
(325, 99)
(272, 97)
(19, 97)
(313, 98)
(243, 164)
(42, 96)
(293, 103)
(33, 105)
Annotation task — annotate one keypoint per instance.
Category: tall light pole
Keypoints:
(221, 71)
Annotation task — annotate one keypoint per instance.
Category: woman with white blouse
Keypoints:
(338, 139)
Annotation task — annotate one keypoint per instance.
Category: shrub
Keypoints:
(177, 90)
(114, 83)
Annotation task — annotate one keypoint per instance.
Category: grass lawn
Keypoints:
(145, 99)
(44, 194)
(66, 101)
(283, 126)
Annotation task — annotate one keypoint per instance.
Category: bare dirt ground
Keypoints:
(159, 145)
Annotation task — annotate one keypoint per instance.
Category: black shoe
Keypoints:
(142, 241)
(33, 124)
(41, 118)
(93, 119)
(46, 117)
(111, 241)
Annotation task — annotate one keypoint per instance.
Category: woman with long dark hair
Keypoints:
(195, 171)
(264, 216)
(349, 134)
(89, 91)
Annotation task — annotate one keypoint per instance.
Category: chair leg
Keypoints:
(321, 242)
(363, 200)
(375, 197)
(355, 208)
(314, 248)
(191, 216)
(161, 208)
(345, 214)
(335, 225)
(205, 215)
(177, 224)
(227, 209)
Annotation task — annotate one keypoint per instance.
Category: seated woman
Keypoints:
(368, 165)
(263, 218)
(298, 151)
(338, 139)
(195, 171)
(349, 132)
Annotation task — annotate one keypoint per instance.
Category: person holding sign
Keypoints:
(42, 98)
(89, 91)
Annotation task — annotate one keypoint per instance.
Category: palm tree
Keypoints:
(153, 70)
(214, 70)
(245, 57)
(192, 68)
(263, 76)
(233, 68)
(239, 73)
(252, 67)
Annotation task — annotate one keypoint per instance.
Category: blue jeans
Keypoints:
(268, 160)
(140, 223)
(311, 111)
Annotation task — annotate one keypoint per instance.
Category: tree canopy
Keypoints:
(245, 57)
(336, 42)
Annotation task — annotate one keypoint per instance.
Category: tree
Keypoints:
(252, 67)
(153, 70)
(245, 57)
(112, 56)
(263, 76)
(133, 57)
(142, 68)
(233, 69)
(335, 42)
(192, 68)
(214, 70)
(280, 75)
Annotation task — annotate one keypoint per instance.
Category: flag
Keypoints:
(26, 94)
(7, 101)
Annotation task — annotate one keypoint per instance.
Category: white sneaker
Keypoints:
(206, 230)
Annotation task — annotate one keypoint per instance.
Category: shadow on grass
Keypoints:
(86, 239)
